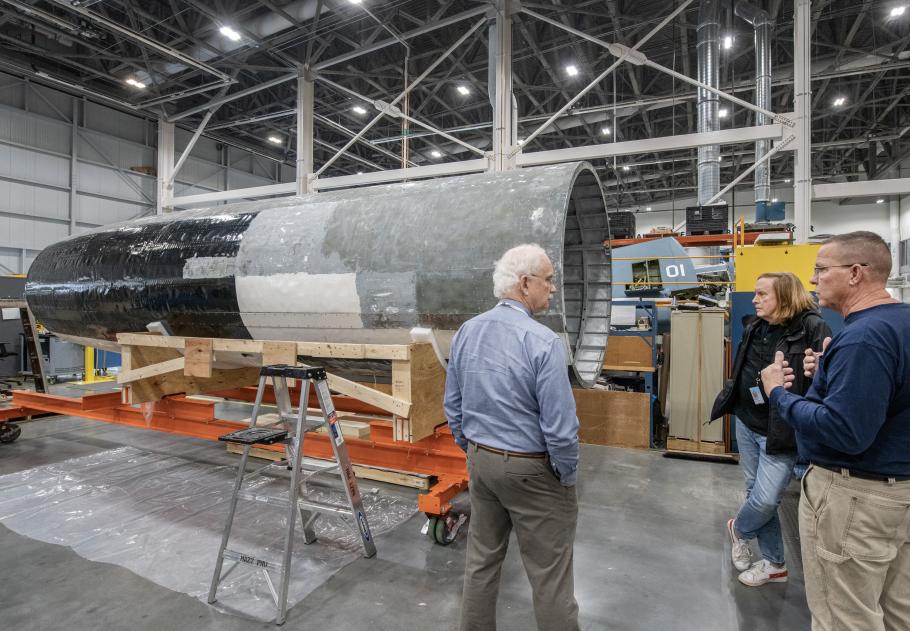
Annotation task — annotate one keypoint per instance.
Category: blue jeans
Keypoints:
(767, 477)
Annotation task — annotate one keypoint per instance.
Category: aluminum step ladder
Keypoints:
(290, 430)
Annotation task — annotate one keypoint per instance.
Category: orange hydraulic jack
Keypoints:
(437, 455)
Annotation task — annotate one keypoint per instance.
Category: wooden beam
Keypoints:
(369, 395)
(199, 356)
(162, 368)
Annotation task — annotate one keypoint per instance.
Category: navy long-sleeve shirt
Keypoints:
(508, 387)
(857, 412)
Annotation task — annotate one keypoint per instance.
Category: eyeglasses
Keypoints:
(818, 270)
(548, 281)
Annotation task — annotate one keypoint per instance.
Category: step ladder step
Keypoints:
(255, 435)
(249, 559)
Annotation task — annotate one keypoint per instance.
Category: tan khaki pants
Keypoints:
(855, 538)
(524, 494)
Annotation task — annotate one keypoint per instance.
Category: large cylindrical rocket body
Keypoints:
(363, 265)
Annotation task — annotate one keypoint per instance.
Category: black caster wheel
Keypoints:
(9, 432)
(443, 530)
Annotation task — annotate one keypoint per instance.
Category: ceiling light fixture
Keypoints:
(880, 200)
(647, 208)
(787, 181)
(275, 139)
(898, 11)
(357, 109)
(773, 200)
(521, 141)
(134, 83)
(722, 112)
(355, 1)
(728, 42)
(463, 90)
(605, 131)
(571, 70)
(839, 101)
(625, 167)
(435, 154)
(230, 33)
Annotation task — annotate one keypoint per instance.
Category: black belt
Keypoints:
(511, 454)
(862, 475)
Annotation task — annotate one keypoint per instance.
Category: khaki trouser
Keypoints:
(855, 537)
(524, 494)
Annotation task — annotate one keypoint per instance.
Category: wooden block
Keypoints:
(695, 446)
(279, 353)
(199, 355)
(152, 370)
(369, 395)
(607, 417)
(626, 352)
(351, 429)
(392, 476)
(427, 383)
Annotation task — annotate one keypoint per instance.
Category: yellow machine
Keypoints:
(753, 260)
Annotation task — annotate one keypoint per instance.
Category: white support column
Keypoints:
(74, 143)
(305, 104)
(165, 194)
(802, 89)
(502, 87)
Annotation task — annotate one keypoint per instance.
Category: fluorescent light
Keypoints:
(773, 200)
(357, 109)
(571, 70)
(134, 83)
(722, 112)
(605, 131)
(898, 11)
(521, 141)
(648, 208)
(355, 1)
(787, 181)
(435, 154)
(275, 139)
(625, 167)
(880, 200)
(463, 90)
(728, 42)
(230, 33)
(360, 173)
(839, 101)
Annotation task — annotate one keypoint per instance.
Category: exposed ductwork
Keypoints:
(763, 26)
(708, 49)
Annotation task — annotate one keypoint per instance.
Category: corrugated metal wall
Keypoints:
(36, 138)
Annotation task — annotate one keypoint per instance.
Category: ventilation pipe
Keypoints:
(708, 49)
(763, 25)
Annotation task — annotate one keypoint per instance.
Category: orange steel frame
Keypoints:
(437, 455)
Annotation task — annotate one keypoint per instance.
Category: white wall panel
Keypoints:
(9, 261)
(13, 92)
(33, 130)
(105, 149)
(104, 181)
(32, 166)
(30, 232)
(114, 123)
(203, 173)
(16, 197)
(99, 211)
(239, 179)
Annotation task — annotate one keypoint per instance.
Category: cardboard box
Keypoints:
(618, 419)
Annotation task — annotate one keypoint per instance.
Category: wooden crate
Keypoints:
(155, 366)
(608, 417)
(628, 352)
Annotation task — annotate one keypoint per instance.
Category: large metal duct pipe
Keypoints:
(362, 265)
(708, 50)
(763, 27)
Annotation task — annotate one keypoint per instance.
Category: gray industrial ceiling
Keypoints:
(178, 57)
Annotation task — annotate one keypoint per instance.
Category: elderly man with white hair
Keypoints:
(510, 407)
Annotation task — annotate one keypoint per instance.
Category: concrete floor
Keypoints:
(651, 553)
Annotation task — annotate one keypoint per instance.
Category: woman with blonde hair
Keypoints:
(788, 321)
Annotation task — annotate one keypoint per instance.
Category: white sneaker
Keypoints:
(763, 572)
(741, 554)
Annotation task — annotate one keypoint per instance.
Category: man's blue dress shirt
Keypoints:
(508, 387)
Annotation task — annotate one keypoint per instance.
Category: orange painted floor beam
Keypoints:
(437, 455)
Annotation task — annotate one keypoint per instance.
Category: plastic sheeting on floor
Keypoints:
(162, 517)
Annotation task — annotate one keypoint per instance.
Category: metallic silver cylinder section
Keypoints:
(763, 27)
(363, 265)
(708, 50)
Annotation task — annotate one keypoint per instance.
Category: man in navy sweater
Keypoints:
(853, 426)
